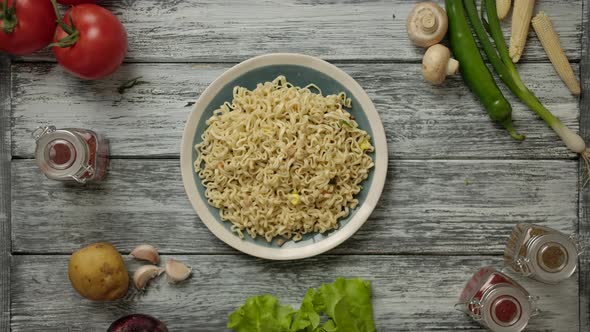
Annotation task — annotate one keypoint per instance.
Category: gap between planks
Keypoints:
(392, 254)
(335, 61)
(412, 159)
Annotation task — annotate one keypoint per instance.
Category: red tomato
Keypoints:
(35, 24)
(99, 49)
(75, 2)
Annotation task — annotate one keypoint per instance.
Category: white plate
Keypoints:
(299, 69)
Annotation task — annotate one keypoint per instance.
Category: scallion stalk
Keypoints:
(500, 59)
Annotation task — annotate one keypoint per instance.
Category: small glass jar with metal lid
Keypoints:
(71, 154)
(496, 301)
(541, 253)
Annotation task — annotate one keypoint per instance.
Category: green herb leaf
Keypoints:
(130, 83)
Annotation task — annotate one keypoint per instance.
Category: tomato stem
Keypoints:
(8, 16)
(68, 41)
(73, 33)
(60, 21)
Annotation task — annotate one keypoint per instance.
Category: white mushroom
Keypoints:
(427, 24)
(437, 64)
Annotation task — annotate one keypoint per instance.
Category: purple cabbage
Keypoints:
(137, 323)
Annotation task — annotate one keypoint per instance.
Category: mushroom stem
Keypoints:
(452, 67)
(437, 64)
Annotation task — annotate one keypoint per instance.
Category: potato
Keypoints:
(98, 272)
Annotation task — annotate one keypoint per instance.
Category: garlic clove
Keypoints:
(177, 271)
(144, 274)
(146, 252)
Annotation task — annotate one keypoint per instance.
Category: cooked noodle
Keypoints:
(283, 161)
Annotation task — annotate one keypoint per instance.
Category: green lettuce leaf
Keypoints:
(307, 319)
(262, 314)
(329, 326)
(348, 303)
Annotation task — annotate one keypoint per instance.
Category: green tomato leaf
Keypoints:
(262, 314)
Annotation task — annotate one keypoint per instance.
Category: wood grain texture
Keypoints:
(5, 158)
(432, 211)
(441, 207)
(213, 31)
(584, 221)
(410, 293)
(421, 121)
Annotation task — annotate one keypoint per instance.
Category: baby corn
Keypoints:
(521, 20)
(550, 41)
(503, 7)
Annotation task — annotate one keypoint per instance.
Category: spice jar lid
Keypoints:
(506, 309)
(60, 154)
(553, 257)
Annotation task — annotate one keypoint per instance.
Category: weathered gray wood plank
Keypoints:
(584, 221)
(442, 207)
(422, 121)
(410, 293)
(5, 157)
(212, 31)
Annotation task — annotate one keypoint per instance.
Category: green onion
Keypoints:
(344, 122)
(502, 63)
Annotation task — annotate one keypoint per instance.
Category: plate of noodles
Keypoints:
(284, 156)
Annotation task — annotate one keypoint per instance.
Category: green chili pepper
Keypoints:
(473, 69)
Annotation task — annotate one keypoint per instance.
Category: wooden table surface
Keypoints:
(456, 183)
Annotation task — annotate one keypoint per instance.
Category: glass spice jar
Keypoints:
(542, 253)
(496, 301)
(71, 154)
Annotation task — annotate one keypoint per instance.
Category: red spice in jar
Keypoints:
(61, 153)
(506, 310)
(496, 301)
(98, 151)
(71, 154)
